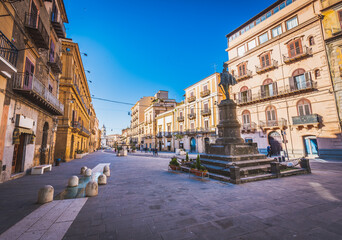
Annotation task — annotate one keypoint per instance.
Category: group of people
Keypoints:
(153, 150)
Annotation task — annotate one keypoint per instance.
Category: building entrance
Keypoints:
(193, 145)
(19, 154)
(275, 141)
(311, 146)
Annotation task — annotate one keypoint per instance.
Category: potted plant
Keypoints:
(174, 164)
(198, 169)
(79, 153)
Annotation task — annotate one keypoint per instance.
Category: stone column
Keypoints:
(275, 169)
(235, 174)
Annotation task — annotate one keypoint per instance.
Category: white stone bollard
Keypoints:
(88, 172)
(102, 180)
(92, 189)
(107, 173)
(106, 168)
(73, 181)
(83, 169)
(45, 194)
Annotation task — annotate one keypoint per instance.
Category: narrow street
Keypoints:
(142, 200)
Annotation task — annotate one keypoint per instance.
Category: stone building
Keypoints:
(160, 104)
(103, 137)
(31, 105)
(113, 140)
(192, 123)
(76, 126)
(94, 126)
(138, 120)
(284, 91)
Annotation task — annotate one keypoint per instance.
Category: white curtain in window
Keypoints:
(292, 23)
(263, 38)
(241, 51)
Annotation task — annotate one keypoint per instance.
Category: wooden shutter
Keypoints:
(340, 17)
(275, 88)
(263, 91)
(292, 84)
(307, 110)
(249, 95)
(300, 110)
(308, 82)
(267, 59)
(239, 97)
(298, 47)
(52, 52)
(290, 48)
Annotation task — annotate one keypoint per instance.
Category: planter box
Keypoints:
(122, 153)
(80, 155)
(174, 168)
(198, 173)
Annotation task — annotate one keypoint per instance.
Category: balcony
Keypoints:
(8, 55)
(55, 64)
(192, 116)
(278, 93)
(297, 56)
(249, 127)
(84, 132)
(76, 126)
(180, 119)
(306, 121)
(207, 130)
(191, 99)
(58, 25)
(37, 31)
(246, 75)
(273, 124)
(32, 89)
(168, 134)
(191, 132)
(205, 93)
(206, 112)
(159, 135)
(262, 69)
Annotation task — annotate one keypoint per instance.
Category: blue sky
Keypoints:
(136, 48)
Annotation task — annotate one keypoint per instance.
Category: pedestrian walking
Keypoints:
(269, 151)
(156, 152)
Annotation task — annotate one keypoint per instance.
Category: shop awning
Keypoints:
(18, 131)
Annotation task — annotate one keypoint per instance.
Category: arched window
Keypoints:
(304, 107)
(243, 89)
(269, 88)
(311, 41)
(271, 114)
(246, 117)
(244, 94)
(300, 79)
(317, 73)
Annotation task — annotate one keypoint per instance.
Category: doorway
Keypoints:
(43, 147)
(19, 155)
(72, 147)
(311, 146)
(206, 144)
(275, 141)
(193, 145)
(160, 146)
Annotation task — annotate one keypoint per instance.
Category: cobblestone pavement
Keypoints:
(142, 200)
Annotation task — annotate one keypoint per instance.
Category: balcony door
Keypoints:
(311, 146)
(271, 116)
(33, 15)
(275, 141)
(54, 12)
(29, 70)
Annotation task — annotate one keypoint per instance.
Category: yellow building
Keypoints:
(76, 126)
(284, 91)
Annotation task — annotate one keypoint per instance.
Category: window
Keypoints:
(304, 107)
(50, 88)
(295, 48)
(191, 93)
(311, 41)
(340, 16)
(192, 110)
(181, 127)
(242, 69)
(241, 51)
(268, 14)
(206, 106)
(246, 117)
(251, 44)
(206, 124)
(281, 6)
(269, 88)
(263, 38)
(317, 73)
(192, 125)
(181, 114)
(271, 114)
(293, 22)
(205, 87)
(244, 94)
(265, 60)
(300, 80)
(276, 31)
(276, 9)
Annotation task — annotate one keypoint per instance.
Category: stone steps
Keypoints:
(217, 170)
(233, 158)
(240, 164)
(255, 169)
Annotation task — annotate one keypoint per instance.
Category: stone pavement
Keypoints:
(144, 201)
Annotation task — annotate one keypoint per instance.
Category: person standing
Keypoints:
(269, 151)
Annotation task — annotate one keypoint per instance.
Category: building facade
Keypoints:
(30, 106)
(284, 91)
(74, 127)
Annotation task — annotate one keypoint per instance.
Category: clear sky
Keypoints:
(137, 47)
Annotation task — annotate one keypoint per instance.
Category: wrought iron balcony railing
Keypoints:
(192, 116)
(243, 76)
(205, 93)
(273, 124)
(296, 54)
(8, 54)
(261, 69)
(55, 63)
(31, 88)
(58, 25)
(312, 119)
(206, 112)
(37, 31)
(191, 99)
(180, 119)
(249, 127)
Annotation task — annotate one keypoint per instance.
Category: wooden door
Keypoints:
(29, 70)
(18, 155)
(34, 15)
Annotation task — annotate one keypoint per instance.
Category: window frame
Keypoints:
(295, 17)
(304, 102)
(263, 56)
(244, 50)
(300, 47)
(255, 44)
(266, 33)
(243, 67)
(281, 30)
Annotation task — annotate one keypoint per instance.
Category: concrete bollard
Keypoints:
(83, 169)
(45, 194)
(102, 180)
(73, 181)
(275, 169)
(106, 168)
(88, 172)
(92, 189)
(107, 173)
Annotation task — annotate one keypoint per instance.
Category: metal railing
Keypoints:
(192, 116)
(205, 112)
(246, 74)
(306, 119)
(55, 63)
(180, 118)
(273, 123)
(34, 21)
(7, 50)
(294, 55)
(249, 126)
(205, 93)
(191, 98)
(273, 64)
(29, 82)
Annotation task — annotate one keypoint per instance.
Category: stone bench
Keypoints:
(38, 170)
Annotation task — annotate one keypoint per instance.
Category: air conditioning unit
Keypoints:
(24, 122)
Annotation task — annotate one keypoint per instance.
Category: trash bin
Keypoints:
(57, 161)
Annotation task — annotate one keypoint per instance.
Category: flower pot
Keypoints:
(174, 168)
(198, 172)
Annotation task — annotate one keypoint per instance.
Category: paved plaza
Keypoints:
(142, 200)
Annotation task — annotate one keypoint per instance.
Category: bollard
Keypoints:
(73, 181)
(107, 173)
(106, 168)
(45, 194)
(102, 180)
(235, 174)
(305, 163)
(88, 172)
(275, 169)
(83, 169)
(91, 189)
